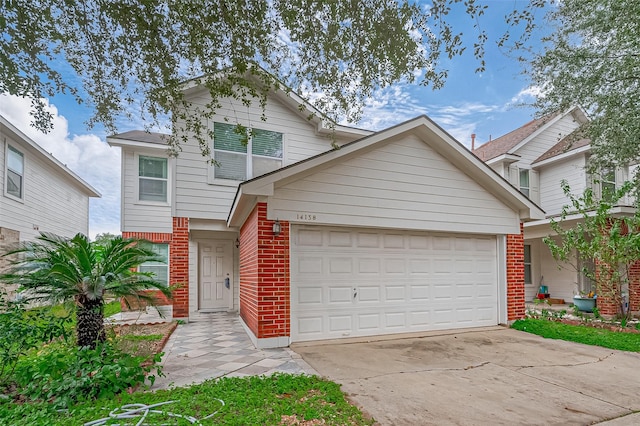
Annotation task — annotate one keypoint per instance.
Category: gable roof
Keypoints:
(6, 126)
(504, 144)
(567, 144)
(301, 106)
(422, 127)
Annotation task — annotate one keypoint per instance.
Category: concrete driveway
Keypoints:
(482, 376)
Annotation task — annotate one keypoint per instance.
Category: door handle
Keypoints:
(227, 282)
(355, 292)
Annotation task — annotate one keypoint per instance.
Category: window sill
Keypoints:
(14, 198)
(151, 203)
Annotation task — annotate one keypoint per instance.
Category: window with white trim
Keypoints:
(528, 277)
(159, 269)
(152, 179)
(15, 172)
(236, 160)
(525, 186)
(608, 183)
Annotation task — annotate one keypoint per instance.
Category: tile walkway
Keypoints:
(216, 345)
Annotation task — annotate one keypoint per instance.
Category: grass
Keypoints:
(580, 334)
(281, 399)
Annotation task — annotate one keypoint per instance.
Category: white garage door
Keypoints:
(361, 282)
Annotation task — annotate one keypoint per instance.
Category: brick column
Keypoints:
(179, 266)
(515, 275)
(634, 287)
(606, 301)
(264, 276)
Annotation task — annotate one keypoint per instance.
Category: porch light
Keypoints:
(276, 228)
(237, 243)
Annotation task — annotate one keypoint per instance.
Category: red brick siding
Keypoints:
(249, 272)
(634, 287)
(264, 275)
(515, 275)
(178, 261)
(179, 267)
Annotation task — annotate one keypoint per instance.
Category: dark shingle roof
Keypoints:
(505, 143)
(566, 144)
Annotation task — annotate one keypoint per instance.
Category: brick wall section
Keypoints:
(605, 303)
(264, 276)
(179, 267)
(515, 275)
(178, 262)
(249, 271)
(634, 288)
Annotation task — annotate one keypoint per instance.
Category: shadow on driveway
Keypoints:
(481, 376)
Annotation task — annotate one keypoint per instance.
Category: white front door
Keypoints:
(216, 275)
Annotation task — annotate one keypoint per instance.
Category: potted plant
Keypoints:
(585, 302)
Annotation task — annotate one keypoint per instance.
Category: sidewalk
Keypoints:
(215, 345)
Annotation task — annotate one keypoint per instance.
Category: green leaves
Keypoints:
(592, 59)
(137, 55)
(55, 269)
(586, 230)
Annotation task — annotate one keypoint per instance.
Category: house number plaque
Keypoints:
(306, 216)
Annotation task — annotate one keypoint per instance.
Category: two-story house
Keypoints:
(536, 158)
(37, 192)
(396, 231)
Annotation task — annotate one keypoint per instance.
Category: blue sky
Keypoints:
(485, 104)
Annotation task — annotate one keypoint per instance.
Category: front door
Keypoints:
(216, 275)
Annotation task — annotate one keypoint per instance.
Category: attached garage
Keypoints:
(402, 231)
(348, 282)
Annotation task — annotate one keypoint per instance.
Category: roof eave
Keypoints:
(89, 190)
(560, 157)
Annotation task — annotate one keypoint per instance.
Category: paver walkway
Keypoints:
(216, 345)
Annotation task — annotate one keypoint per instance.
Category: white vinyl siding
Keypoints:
(546, 140)
(404, 184)
(552, 198)
(196, 198)
(140, 216)
(51, 200)
(362, 282)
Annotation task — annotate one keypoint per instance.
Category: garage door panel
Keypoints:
(350, 282)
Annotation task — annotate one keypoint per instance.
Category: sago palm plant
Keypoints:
(54, 269)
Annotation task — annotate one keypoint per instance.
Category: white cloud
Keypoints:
(528, 94)
(87, 155)
(393, 105)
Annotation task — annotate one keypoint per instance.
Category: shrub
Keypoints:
(22, 330)
(64, 374)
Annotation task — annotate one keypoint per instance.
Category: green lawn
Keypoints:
(580, 334)
(279, 399)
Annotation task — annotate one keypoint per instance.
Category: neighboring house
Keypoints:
(38, 192)
(397, 231)
(535, 158)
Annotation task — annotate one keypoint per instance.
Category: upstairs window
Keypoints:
(152, 179)
(236, 161)
(15, 172)
(524, 182)
(608, 183)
